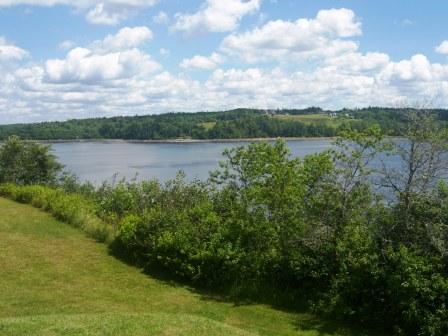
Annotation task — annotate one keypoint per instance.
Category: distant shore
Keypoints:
(185, 141)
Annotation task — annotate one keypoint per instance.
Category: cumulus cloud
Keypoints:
(278, 88)
(202, 62)
(9, 52)
(115, 57)
(105, 12)
(323, 36)
(442, 48)
(216, 16)
(127, 38)
(356, 62)
(101, 15)
(83, 65)
(417, 69)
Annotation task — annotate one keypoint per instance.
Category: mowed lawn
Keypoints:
(55, 281)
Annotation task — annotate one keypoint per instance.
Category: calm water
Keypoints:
(97, 162)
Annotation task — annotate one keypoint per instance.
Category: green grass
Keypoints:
(318, 118)
(55, 281)
(208, 125)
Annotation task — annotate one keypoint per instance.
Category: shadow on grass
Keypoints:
(297, 305)
(304, 318)
(332, 327)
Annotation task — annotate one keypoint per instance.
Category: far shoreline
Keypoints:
(182, 141)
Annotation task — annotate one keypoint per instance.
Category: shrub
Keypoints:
(27, 163)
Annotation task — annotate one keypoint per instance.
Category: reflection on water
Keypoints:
(96, 162)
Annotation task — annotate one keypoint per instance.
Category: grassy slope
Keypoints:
(315, 119)
(55, 281)
(306, 118)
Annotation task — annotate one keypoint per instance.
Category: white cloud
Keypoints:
(115, 57)
(82, 65)
(442, 48)
(356, 62)
(337, 22)
(216, 16)
(127, 38)
(107, 12)
(9, 52)
(100, 15)
(67, 45)
(331, 87)
(161, 18)
(417, 68)
(325, 36)
(278, 88)
(202, 62)
(35, 98)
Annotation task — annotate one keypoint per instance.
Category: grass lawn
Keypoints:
(55, 281)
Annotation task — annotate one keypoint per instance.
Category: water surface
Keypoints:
(98, 161)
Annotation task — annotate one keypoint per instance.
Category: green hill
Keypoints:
(55, 281)
(239, 123)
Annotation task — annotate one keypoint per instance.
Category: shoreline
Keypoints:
(182, 141)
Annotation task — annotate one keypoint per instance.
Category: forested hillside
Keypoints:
(240, 123)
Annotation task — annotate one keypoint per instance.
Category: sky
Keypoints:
(66, 59)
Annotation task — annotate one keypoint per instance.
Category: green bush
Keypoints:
(397, 290)
(27, 163)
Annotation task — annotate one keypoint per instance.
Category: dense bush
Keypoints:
(27, 163)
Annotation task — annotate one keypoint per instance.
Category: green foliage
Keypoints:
(27, 163)
(398, 290)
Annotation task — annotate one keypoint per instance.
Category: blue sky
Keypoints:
(63, 59)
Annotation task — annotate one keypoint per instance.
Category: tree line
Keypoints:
(240, 123)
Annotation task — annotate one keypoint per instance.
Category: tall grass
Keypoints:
(73, 209)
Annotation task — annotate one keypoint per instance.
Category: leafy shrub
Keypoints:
(398, 290)
(27, 163)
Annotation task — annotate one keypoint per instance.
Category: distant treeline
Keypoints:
(239, 123)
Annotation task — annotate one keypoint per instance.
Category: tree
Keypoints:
(27, 163)
(421, 164)
(422, 153)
